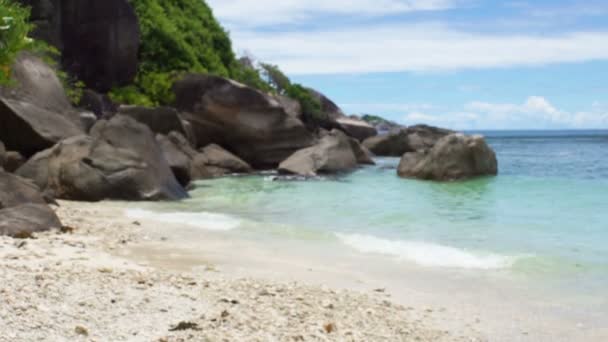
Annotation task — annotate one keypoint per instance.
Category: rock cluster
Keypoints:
(216, 126)
(403, 140)
(119, 160)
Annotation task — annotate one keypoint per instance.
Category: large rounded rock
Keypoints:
(26, 219)
(100, 41)
(46, 17)
(363, 155)
(393, 144)
(220, 162)
(246, 121)
(99, 104)
(2, 155)
(13, 161)
(357, 128)
(23, 210)
(333, 153)
(15, 190)
(423, 137)
(186, 163)
(328, 107)
(120, 160)
(454, 157)
(161, 120)
(404, 140)
(36, 112)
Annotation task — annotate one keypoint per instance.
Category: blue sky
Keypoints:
(462, 64)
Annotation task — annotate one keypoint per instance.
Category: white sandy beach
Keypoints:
(74, 286)
(119, 279)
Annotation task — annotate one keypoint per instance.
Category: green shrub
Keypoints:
(180, 36)
(14, 28)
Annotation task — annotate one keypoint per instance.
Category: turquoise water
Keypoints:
(546, 214)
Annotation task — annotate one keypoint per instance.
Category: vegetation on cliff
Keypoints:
(281, 84)
(179, 36)
(14, 27)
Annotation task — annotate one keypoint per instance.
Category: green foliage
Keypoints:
(14, 28)
(131, 95)
(276, 78)
(180, 36)
(74, 87)
(372, 118)
(251, 77)
(311, 107)
(280, 83)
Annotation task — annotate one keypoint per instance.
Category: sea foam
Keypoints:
(202, 220)
(426, 254)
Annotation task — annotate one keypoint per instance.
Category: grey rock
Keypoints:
(120, 160)
(333, 153)
(221, 162)
(161, 120)
(25, 219)
(403, 140)
(357, 128)
(36, 112)
(13, 161)
(23, 209)
(363, 155)
(454, 157)
(100, 41)
(2, 155)
(99, 104)
(251, 124)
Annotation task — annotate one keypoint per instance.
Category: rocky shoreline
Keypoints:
(62, 280)
(71, 285)
(218, 127)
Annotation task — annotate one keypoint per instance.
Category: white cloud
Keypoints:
(456, 120)
(536, 112)
(247, 13)
(415, 47)
(364, 108)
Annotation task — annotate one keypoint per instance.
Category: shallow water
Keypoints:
(545, 217)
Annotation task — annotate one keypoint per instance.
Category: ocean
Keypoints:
(544, 218)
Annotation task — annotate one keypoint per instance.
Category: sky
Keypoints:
(460, 64)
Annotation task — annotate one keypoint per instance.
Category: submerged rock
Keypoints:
(253, 125)
(333, 153)
(454, 157)
(120, 160)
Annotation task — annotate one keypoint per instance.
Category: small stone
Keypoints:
(329, 328)
(80, 330)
